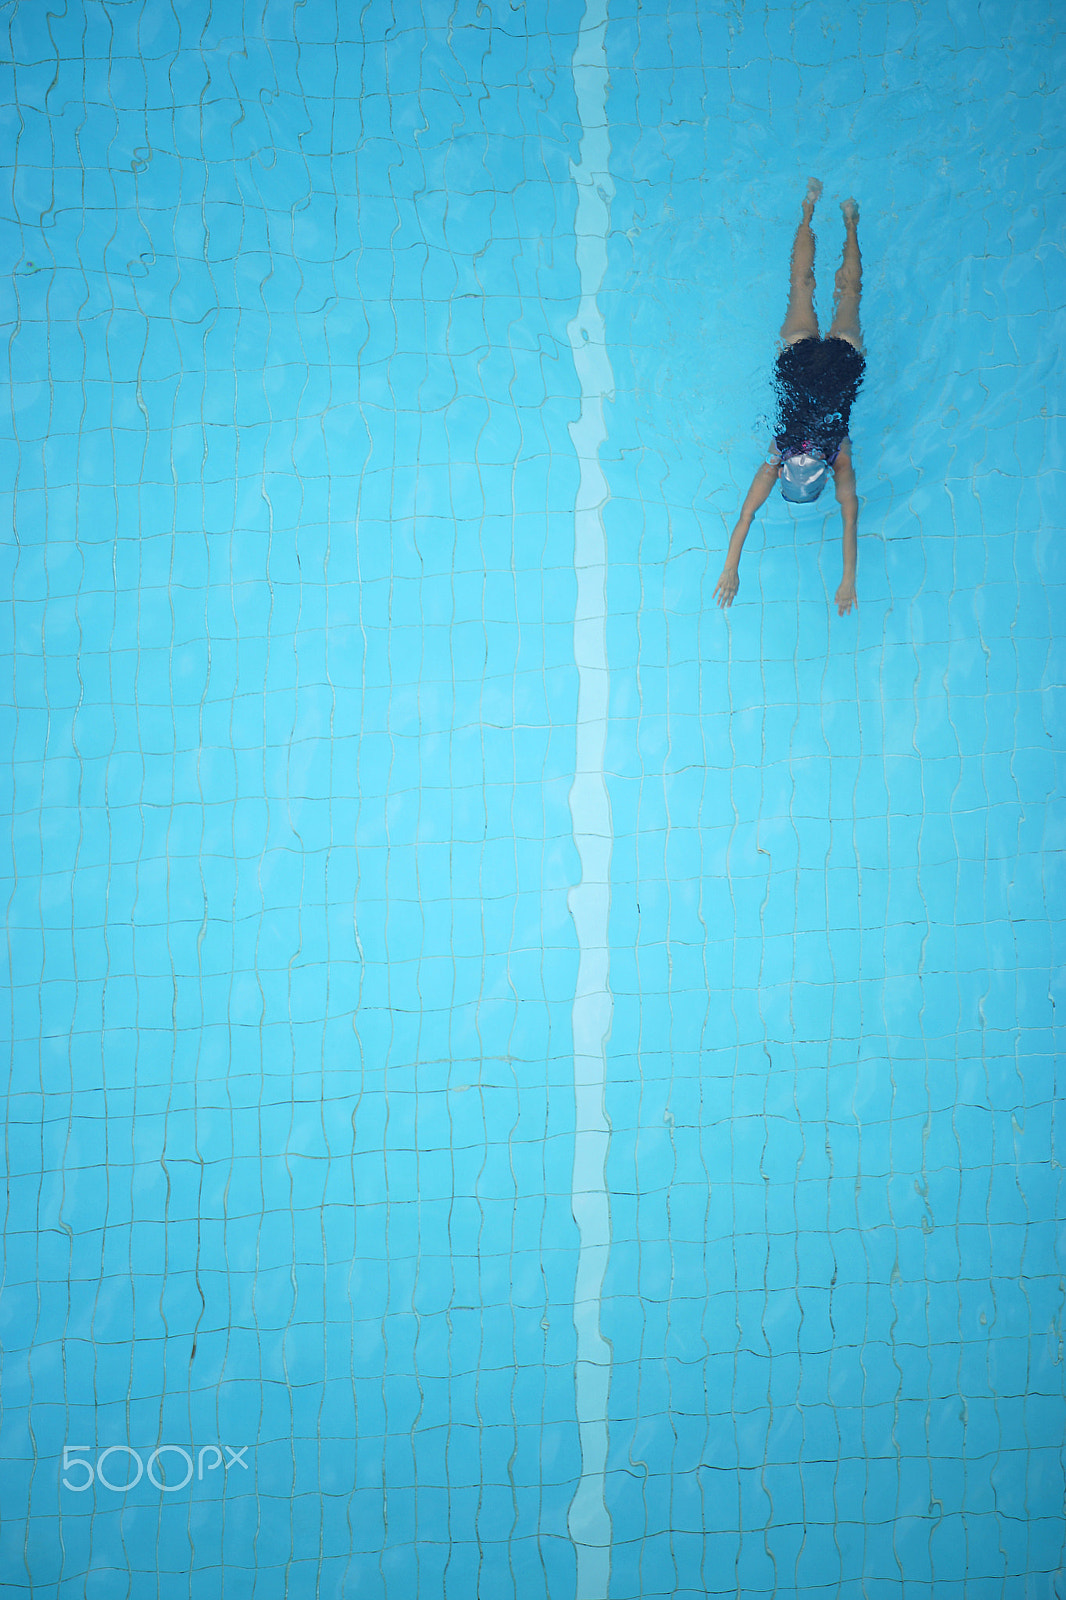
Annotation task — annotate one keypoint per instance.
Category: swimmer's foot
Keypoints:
(850, 209)
(811, 198)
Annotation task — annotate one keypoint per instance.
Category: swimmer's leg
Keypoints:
(848, 282)
(800, 319)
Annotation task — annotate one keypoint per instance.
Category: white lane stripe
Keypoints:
(589, 1520)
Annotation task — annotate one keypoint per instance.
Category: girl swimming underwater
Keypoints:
(816, 381)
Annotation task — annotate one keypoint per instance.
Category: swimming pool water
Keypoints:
(521, 1083)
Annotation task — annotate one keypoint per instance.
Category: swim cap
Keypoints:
(803, 476)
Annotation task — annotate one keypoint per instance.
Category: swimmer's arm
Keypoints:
(844, 477)
(761, 487)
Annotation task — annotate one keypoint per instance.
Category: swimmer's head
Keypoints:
(803, 477)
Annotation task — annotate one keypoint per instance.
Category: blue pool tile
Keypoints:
(952, 888)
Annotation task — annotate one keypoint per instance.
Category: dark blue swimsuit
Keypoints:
(816, 382)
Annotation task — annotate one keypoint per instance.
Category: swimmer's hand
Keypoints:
(845, 597)
(726, 588)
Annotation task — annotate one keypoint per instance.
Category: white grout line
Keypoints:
(589, 1520)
